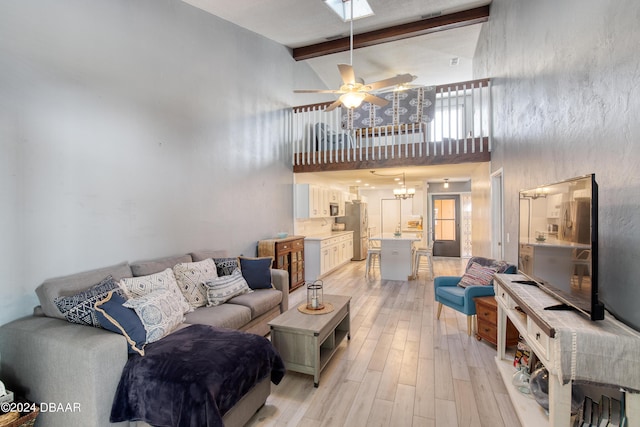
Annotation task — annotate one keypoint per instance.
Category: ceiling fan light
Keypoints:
(352, 99)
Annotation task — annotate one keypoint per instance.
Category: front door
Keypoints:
(446, 225)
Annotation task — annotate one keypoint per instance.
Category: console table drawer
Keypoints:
(541, 340)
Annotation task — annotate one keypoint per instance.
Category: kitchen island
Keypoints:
(396, 255)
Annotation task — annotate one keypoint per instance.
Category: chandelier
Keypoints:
(403, 192)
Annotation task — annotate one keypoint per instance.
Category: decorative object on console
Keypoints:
(314, 295)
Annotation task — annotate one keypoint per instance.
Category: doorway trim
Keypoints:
(497, 214)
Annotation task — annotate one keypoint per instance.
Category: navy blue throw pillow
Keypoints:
(256, 271)
(122, 320)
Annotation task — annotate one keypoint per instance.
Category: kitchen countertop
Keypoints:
(552, 242)
(390, 236)
(327, 235)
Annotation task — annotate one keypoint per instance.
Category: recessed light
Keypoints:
(358, 181)
(366, 185)
(396, 179)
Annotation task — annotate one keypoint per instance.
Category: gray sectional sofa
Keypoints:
(47, 359)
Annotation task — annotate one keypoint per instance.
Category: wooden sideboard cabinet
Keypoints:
(487, 322)
(288, 255)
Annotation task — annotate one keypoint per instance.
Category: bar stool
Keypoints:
(373, 255)
(417, 257)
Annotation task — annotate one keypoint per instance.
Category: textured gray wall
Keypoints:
(566, 97)
(135, 129)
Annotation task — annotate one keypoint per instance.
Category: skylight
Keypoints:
(342, 8)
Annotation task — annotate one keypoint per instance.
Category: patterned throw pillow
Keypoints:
(226, 266)
(191, 276)
(115, 317)
(222, 289)
(143, 285)
(159, 312)
(256, 271)
(79, 308)
(477, 275)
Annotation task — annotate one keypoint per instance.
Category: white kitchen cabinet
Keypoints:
(311, 201)
(554, 205)
(324, 254)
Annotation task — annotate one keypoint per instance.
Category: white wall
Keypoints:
(566, 99)
(135, 129)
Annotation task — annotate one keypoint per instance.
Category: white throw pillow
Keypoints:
(158, 311)
(191, 276)
(143, 285)
(222, 289)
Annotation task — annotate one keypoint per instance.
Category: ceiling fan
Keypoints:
(354, 91)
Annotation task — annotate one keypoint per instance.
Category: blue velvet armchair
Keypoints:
(447, 292)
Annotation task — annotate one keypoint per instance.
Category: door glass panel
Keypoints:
(445, 219)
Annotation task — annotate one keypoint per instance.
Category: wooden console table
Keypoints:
(571, 347)
(288, 255)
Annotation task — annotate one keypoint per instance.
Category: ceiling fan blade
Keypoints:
(375, 100)
(348, 76)
(316, 91)
(399, 79)
(333, 106)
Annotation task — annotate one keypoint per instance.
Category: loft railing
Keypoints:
(461, 125)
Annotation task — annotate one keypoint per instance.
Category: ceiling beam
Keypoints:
(398, 32)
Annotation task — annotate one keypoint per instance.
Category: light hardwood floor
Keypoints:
(402, 366)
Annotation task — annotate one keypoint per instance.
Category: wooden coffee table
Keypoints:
(306, 342)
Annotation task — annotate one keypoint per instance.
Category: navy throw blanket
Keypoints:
(192, 377)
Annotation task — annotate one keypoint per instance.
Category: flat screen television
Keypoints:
(558, 243)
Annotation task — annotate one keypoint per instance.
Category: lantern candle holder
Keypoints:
(314, 295)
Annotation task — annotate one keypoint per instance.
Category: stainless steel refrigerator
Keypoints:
(356, 220)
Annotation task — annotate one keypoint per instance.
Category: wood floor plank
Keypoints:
(402, 413)
(425, 389)
(402, 367)
(380, 414)
(446, 413)
(468, 412)
(363, 403)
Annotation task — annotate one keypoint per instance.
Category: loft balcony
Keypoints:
(454, 127)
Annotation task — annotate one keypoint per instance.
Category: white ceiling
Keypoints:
(296, 23)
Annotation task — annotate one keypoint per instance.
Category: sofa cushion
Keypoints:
(115, 317)
(204, 254)
(259, 301)
(256, 271)
(231, 316)
(159, 312)
(72, 284)
(226, 266)
(145, 268)
(79, 308)
(477, 274)
(222, 289)
(453, 294)
(191, 276)
(139, 286)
